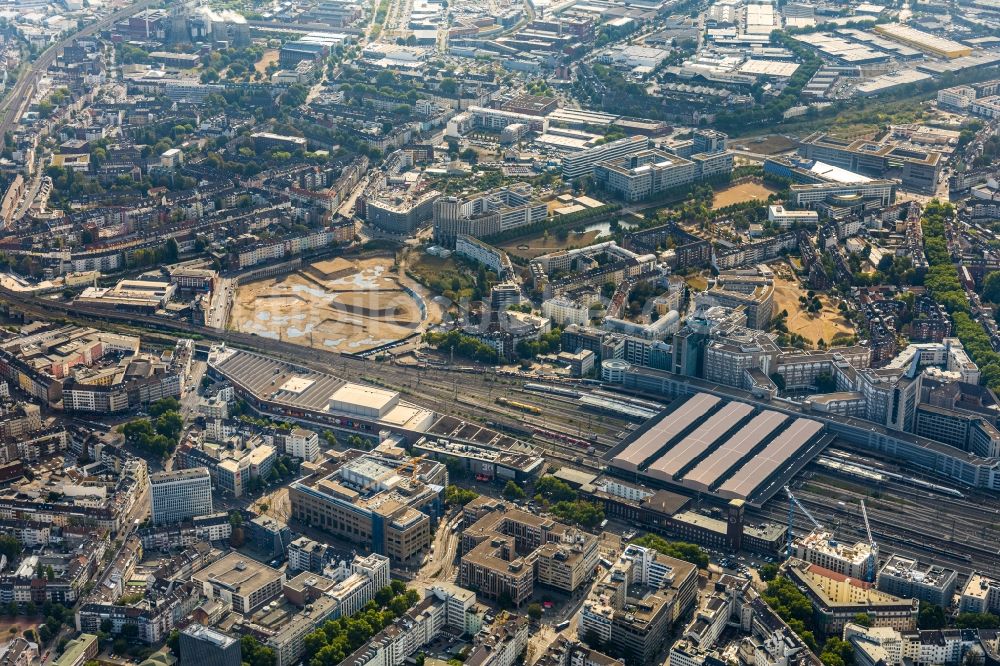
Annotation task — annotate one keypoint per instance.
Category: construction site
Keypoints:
(345, 305)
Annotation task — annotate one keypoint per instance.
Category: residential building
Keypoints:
(980, 595)
(905, 577)
(837, 599)
(821, 548)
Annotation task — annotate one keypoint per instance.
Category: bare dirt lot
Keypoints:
(535, 246)
(269, 56)
(740, 193)
(823, 325)
(338, 304)
(765, 145)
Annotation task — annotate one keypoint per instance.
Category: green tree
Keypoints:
(10, 547)
(977, 621)
(457, 496)
(534, 611)
(768, 572)
(931, 616)
(512, 491)
(682, 550)
(862, 619)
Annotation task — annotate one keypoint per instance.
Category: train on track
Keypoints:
(520, 406)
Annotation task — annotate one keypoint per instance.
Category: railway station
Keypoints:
(722, 448)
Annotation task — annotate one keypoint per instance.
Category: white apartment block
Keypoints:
(302, 444)
(959, 97)
(981, 595)
(180, 494)
(565, 311)
(820, 548)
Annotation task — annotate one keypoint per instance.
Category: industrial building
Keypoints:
(728, 450)
(293, 392)
(968, 468)
(145, 296)
(939, 46)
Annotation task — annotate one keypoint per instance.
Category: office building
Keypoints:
(204, 645)
(486, 213)
(506, 550)
(239, 582)
(388, 504)
(582, 163)
(180, 495)
(633, 606)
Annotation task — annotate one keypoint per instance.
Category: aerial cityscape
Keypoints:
(533, 333)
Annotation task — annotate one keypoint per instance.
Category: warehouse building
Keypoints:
(728, 450)
(939, 46)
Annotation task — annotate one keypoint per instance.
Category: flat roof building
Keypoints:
(180, 495)
(939, 46)
(905, 577)
(388, 504)
(240, 582)
(204, 645)
(837, 599)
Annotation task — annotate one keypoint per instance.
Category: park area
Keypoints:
(824, 325)
(338, 304)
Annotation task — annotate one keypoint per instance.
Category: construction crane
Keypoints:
(873, 558)
(792, 503)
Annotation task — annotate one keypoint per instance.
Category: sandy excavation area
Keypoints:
(338, 304)
(824, 325)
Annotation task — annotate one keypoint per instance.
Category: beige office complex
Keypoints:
(240, 582)
(385, 503)
(506, 551)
